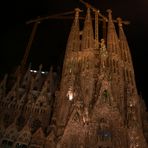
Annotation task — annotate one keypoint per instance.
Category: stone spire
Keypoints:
(88, 35)
(114, 62)
(130, 91)
(126, 55)
(73, 43)
(112, 38)
(69, 71)
(123, 42)
(135, 132)
(96, 29)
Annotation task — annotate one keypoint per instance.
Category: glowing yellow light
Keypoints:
(70, 95)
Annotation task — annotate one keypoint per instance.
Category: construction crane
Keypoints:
(26, 54)
(31, 38)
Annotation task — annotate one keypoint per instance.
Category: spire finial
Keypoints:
(88, 14)
(119, 20)
(77, 10)
(87, 37)
(109, 13)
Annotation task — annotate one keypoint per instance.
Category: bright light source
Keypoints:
(70, 95)
(35, 71)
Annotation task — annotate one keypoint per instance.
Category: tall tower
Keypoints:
(98, 104)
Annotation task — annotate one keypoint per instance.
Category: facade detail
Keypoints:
(95, 104)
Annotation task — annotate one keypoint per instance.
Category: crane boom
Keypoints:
(99, 13)
(25, 57)
(55, 16)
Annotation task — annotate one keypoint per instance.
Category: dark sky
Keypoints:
(50, 40)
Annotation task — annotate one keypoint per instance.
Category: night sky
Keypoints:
(51, 37)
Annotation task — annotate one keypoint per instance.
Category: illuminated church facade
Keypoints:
(95, 103)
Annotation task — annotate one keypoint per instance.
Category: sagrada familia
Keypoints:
(94, 104)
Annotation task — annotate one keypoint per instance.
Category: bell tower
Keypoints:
(70, 69)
